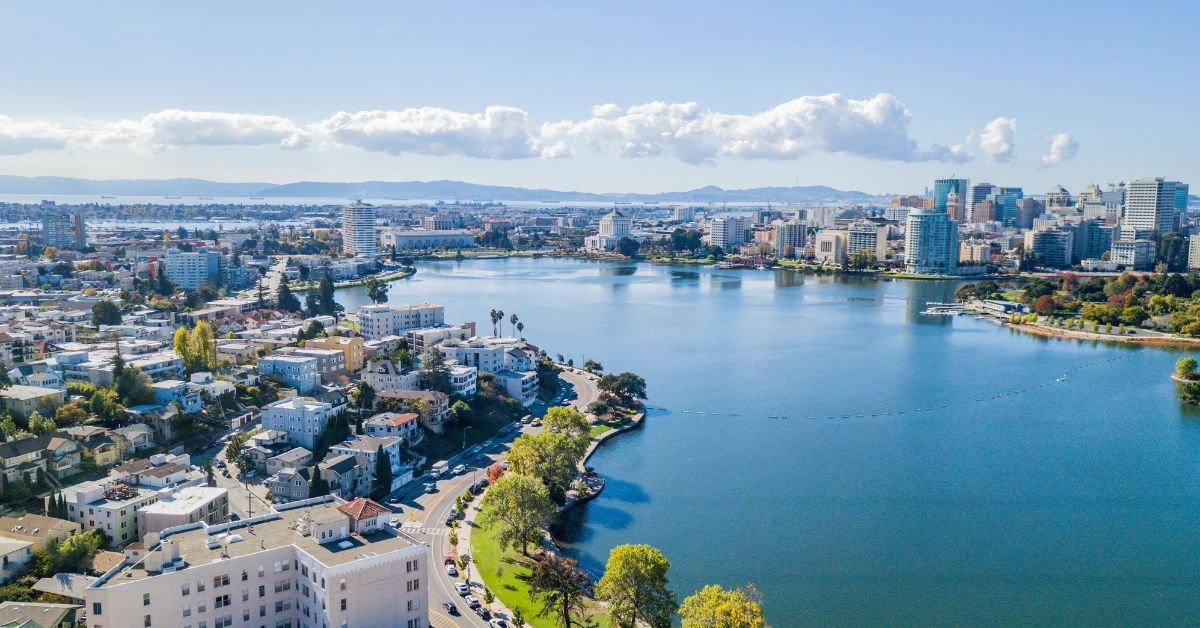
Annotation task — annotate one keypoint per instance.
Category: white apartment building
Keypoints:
(377, 321)
(190, 504)
(358, 230)
(303, 418)
(425, 337)
(790, 238)
(297, 371)
(401, 425)
(729, 232)
(438, 222)
(1194, 251)
(930, 243)
(321, 563)
(464, 380)
(864, 235)
(192, 269)
(387, 375)
(522, 386)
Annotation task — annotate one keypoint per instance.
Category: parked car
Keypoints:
(483, 613)
(450, 608)
(472, 601)
(451, 517)
(394, 522)
(498, 623)
(448, 559)
(526, 419)
(462, 588)
(451, 571)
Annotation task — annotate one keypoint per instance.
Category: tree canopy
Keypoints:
(635, 587)
(717, 607)
(519, 505)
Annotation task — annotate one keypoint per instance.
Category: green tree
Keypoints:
(716, 607)
(203, 347)
(9, 428)
(287, 301)
(40, 425)
(562, 588)
(435, 375)
(628, 246)
(70, 414)
(1185, 368)
(105, 404)
(134, 387)
(235, 453)
(325, 301)
(519, 505)
(317, 485)
(496, 316)
(635, 587)
(106, 313)
(569, 421)
(183, 348)
(592, 366)
(377, 289)
(551, 457)
(383, 474)
(626, 388)
(460, 411)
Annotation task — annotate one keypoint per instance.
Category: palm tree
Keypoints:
(495, 315)
(513, 320)
(521, 329)
(500, 319)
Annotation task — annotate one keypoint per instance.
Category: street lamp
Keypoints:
(465, 428)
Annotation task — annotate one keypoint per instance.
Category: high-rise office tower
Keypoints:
(1149, 207)
(1006, 199)
(64, 231)
(942, 189)
(358, 229)
(976, 193)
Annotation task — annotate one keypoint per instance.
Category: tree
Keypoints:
(628, 246)
(494, 472)
(209, 475)
(106, 312)
(1045, 305)
(287, 301)
(377, 290)
(562, 587)
(716, 607)
(512, 320)
(592, 366)
(106, 404)
(435, 375)
(551, 457)
(521, 329)
(235, 452)
(460, 411)
(1185, 368)
(519, 505)
(364, 396)
(70, 414)
(569, 421)
(134, 387)
(383, 474)
(635, 587)
(496, 316)
(325, 301)
(318, 486)
(203, 347)
(183, 348)
(41, 425)
(626, 387)
(311, 306)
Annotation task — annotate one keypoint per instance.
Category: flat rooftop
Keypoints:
(278, 532)
(185, 501)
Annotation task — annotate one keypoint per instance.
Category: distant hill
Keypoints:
(445, 190)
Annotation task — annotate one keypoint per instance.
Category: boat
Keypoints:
(934, 308)
(760, 267)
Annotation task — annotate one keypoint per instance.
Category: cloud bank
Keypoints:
(872, 128)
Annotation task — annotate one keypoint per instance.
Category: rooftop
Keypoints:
(22, 392)
(185, 501)
(278, 530)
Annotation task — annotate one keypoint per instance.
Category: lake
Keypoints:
(921, 471)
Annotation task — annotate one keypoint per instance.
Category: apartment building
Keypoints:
(302, 418)
(321, 562)
(353, 352)
(377, 321)
(298, 371)
(190, 504)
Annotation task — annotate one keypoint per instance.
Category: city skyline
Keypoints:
(638, 99)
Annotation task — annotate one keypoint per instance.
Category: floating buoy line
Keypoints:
(1059, 379)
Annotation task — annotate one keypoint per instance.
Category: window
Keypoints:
(260, 571)
(221, 602)
(343, 604)
(262, 610)
(283, 585)
(245, 575)
(245, 595)
(186, 589)
(262, 590)
(146, 620)
(187, 610)
(145, 599)
(200, 607)
(343, 584)
(199, 586)
(282, 605)
(97, 608)
(223, 622)
(220, 581)
(246, 615)
(414, 605)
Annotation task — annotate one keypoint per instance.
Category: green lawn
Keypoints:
(511, 585)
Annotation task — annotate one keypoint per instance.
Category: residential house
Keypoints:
(23, 400)
(171, 391)
(22, 459)
(294, 458)
(139, 436)
(369, 448)
(37, 529)
(302, 418)
(383, 374)
(39, 615)
(346, 477)
(352, 348)
(37, 374)
(105, 446)
(289, 484)
(14, 556)
(405, 426)
(63, 456)
(439, 406)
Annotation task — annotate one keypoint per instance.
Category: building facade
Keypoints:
(930, 243)
(358, 230)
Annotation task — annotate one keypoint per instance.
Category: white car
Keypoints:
(394, 522)
(451, 571)
(498, 623)
(472, 601)
(459, 469)
(485, 444)
(462, 588)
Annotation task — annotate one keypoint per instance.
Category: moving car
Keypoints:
(430, 487)
(459, 469)
(450, 608)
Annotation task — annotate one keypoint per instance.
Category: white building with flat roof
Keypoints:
(209, 504)
(303, 418)
(319, 562)
(377, 321)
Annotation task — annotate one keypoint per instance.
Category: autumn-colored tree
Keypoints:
(494, 472)
(1045, 305)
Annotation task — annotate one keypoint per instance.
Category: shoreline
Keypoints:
(1053, 332)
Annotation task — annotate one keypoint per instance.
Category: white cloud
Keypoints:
(497, 133)
(17, 138)
(871, 128)
(1062, 148)
(875, 128)
(173, 128)
(996, 140)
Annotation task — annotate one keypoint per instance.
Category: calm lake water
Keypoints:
(927, 471)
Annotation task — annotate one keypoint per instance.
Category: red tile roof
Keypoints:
(363, 508)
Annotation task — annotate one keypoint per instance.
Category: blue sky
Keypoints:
(602, 96)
